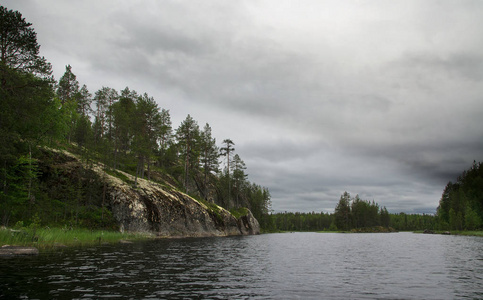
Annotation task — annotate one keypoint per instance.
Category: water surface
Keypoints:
(271, 266)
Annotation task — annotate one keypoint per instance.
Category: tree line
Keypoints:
(324, 221)
(351, 213)
(125, 130)
(460, 208)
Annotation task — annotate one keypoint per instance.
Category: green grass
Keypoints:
(456, 232)
(212, 207)
(47, 238)
(239, 212)
(120, 176)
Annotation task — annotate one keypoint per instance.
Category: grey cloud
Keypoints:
(281, 150)
(455, 65)
(151, 39)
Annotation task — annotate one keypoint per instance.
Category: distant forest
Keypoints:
(125, 130)
(351, 214)
(460, 208)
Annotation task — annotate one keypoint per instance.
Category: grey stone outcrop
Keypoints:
(148, 206)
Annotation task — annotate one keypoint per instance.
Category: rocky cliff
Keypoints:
(147, 206)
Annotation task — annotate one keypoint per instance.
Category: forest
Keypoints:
(461, 205)
(460, 208)
(124, 130)
(351, 214)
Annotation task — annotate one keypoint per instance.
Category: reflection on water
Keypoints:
(274, 266)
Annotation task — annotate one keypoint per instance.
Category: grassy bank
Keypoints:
(48, 238)
(469, 232)
(463, 232)
(454, 232)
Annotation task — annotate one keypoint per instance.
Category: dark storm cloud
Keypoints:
(378, 98)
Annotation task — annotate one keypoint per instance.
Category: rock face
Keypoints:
(161, 209)
(167, 212)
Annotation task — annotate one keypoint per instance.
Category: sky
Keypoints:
(383, 99)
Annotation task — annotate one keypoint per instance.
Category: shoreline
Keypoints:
(45, 239)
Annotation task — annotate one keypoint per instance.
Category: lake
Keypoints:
(269, 266)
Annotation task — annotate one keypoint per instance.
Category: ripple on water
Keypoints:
(273, 266)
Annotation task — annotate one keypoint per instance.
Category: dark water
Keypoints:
(272, 266)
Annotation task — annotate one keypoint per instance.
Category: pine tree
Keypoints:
(343, 213)
(239, 177)
(68, 87)
(84, 101)
(165, 135)
(123, 112)
(187, 135)
(208, 156)
(147, 124)
(19, 50)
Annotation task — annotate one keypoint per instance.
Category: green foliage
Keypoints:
(259, 202)
(356, 213)
(213, 209)
(239, 212)
(68, 86)
(351, 214)
(472, 219)
(289, 221)
(208, 158)
(18, 185)
(19, 50)
(412, 222)
(313, 221)
(342, 212)
(119, 175)
(28, 113)
(461, 204)
(467, 232)
(60, 195)
(332, 227)
(188, 135)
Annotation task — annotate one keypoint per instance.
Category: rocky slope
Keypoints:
(161, 209)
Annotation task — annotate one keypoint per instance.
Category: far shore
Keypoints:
(441, 232)
(454, 232)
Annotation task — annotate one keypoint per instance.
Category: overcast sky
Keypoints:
(378, 98)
